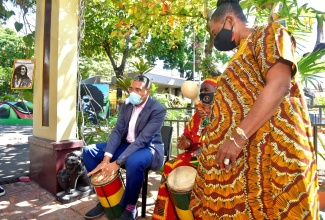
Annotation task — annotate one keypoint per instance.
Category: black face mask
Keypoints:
(206, 98)
(222, 41)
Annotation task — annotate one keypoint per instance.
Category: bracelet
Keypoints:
(233, 139)
(241, 133)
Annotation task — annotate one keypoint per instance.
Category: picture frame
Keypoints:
(23, 74)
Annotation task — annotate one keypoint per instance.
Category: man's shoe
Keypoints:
(95, 212)
(2, 191)
(127, 215)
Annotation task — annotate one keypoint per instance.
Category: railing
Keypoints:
(316, 113)
(317, 118)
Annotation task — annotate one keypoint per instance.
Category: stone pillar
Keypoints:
(54, 123)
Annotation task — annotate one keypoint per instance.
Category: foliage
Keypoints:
(171, 101)
(12, 47)
(95, 66)
(5, 78)
(208, 67)
(124, 83)
(323, 145)
(23, 24)
(90, 133)
(179, 57)
(310, 66)
(142, 66)
(120, 28)
(320, 101)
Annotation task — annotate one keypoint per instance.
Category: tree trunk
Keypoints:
(118, 70)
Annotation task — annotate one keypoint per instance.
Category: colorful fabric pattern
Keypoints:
(164, 209)
(276, 174)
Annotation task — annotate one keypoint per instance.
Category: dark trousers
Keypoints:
(135, 166)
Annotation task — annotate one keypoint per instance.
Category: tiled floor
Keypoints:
(27, 200)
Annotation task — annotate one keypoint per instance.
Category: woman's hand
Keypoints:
(228, 152)
(183, 143)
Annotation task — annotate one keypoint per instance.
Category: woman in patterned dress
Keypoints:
(258, 159)
(191, 142)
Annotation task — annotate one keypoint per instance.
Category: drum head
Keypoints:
(181, 179)
(98, 180)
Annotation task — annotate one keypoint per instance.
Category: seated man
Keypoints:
(190, 141)
(135, 142)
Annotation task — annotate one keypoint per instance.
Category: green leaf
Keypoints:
(183, 11)
(18, 26)
(113, 34)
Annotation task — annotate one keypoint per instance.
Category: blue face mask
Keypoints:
(135, 99)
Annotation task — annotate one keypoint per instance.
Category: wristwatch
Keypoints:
(119, 162)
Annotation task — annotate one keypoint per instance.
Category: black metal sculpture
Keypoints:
(73, 179)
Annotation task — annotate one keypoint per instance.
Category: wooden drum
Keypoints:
(180, 185)
(109, 192)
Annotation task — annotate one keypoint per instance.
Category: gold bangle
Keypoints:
(233, 139)
(241, 133)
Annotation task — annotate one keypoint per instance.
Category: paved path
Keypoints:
(27, 200)
(14, 152)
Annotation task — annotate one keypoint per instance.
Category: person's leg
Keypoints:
(92, 155)
(135, 166)
(120, 150)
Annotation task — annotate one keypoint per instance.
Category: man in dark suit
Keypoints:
(135, 142)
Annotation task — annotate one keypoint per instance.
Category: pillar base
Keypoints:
(47, 159)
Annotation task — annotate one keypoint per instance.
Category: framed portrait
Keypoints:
(23, 73)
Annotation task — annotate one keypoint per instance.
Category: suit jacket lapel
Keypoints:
(128, 114)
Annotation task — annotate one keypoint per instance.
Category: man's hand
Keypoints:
(183, 143)
(200, 110)
(105, 169)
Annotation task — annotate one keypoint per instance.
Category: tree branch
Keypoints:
(107, 48)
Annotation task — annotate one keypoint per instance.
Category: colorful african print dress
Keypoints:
(276, 174)
(164, 208)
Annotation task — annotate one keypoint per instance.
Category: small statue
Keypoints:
(73, 179)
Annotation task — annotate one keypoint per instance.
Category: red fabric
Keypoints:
(164, 208)
(211, 81)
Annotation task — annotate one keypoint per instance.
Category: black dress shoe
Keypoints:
(95, 212)
(127, 215)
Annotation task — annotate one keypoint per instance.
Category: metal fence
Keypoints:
(316, 114)
(317, 118)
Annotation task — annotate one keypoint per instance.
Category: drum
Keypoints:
(180, 184)
(109, 192)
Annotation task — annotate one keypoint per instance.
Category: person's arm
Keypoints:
(113, 142)
(277, 86)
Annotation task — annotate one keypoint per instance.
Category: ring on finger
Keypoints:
(226, 161)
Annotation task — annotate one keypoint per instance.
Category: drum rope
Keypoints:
(120, 173)
(106, 197)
